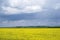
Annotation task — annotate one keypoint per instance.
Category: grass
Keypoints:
(29, 33)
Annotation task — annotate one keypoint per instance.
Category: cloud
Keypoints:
(57, 6)
(53, 4)
(14, 3)
(50, 18)
(29, 12)
(27, 9)
(29, 23)
(9, 10)
(17, 3)
(25, 6)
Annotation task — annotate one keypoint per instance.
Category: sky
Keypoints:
(29, 13)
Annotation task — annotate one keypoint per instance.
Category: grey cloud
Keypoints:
(48, 17)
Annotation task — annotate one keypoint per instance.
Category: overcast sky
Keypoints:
(29, 12)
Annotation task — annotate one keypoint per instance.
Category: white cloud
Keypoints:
(27, 9)
(23, 6)
(34, 8)
(14, 3)
(57, 6)
(53, 4)
(9, 10)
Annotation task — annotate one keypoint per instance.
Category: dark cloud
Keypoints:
(50, 16)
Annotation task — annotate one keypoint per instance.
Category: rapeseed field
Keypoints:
(29, 33)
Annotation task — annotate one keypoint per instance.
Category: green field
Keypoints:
(29, 33)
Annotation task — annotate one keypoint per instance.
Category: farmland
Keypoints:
(29, 33)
